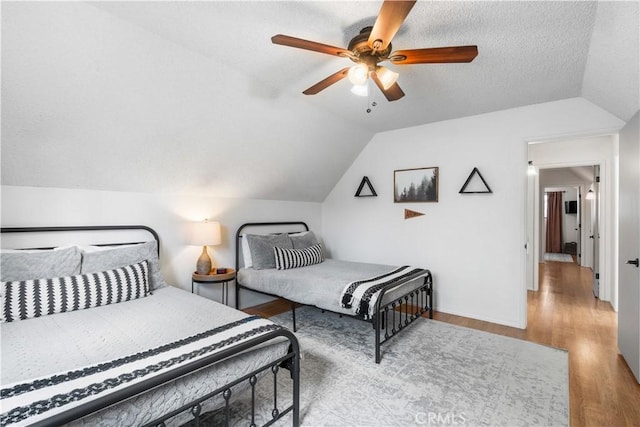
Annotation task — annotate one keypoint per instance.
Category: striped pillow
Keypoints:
(294, 258)
(25, 299)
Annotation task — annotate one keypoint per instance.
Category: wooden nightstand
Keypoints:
(223, 278)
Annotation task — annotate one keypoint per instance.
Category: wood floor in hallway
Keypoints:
(564, 314)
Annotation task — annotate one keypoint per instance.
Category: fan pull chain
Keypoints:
(370, 103)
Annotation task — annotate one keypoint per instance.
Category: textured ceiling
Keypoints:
(192, 97)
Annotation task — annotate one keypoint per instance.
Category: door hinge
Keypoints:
(597, 179)
(597, 276)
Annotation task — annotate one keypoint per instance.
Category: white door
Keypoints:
(595, 229)
(629, 246)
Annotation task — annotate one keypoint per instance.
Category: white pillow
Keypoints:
(90, 248)
(246, 252)
(36, 251)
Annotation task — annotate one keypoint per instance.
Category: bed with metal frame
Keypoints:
(248, 380)
(391, 315)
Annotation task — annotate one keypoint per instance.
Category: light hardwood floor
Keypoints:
(564, 314)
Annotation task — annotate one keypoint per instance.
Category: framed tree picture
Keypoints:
(415, 185)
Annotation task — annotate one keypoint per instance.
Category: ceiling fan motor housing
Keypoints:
(363, 53)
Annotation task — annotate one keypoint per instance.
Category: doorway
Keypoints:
(561, 221)
(562, 164)
(568, 223)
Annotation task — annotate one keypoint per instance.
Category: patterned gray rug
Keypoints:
(433, 373)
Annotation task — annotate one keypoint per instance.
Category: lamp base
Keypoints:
(203, 266)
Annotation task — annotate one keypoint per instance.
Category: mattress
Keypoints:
(57, 343)
(320, 285)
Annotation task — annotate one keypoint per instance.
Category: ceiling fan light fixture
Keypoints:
(360, 90)
(358, 74)
(386, 77)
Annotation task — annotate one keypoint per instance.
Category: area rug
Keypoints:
(433, 373)
(558, 257)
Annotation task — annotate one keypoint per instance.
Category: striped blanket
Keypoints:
(361, 296)
(35, 400)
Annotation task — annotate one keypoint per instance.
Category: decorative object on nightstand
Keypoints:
(225, 276)
(205, 233)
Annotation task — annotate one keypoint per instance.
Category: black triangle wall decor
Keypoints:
(365, 181)
(473, 173)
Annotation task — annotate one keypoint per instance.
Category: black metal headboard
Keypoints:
(72, 228)
(263, 224)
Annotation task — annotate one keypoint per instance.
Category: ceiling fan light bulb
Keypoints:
(386, 77)
(360, 90)
(358, 74)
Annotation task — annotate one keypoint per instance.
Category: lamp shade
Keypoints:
(205, 233)
(358, 74)
(387, 77)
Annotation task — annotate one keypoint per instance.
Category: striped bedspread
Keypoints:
(34, 400)
(361, 296)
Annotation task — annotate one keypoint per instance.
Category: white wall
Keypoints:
(169, 215)
(601, 150)
(474, 244)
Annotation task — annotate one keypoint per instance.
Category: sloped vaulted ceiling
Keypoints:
(192, 97)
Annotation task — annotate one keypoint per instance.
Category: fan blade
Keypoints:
(308, 45)
(434, 55)
(393, 93)
(391, 16)
(323, 84)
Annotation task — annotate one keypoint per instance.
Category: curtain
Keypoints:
(554, 222)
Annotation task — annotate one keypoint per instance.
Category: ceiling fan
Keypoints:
(372, 46)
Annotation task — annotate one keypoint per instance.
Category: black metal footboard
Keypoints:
(395, 315)
(291, 361)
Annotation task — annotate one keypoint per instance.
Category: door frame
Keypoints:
(605, 204)
(608, 214)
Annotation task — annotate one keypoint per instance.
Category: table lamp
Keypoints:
(205, 233)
